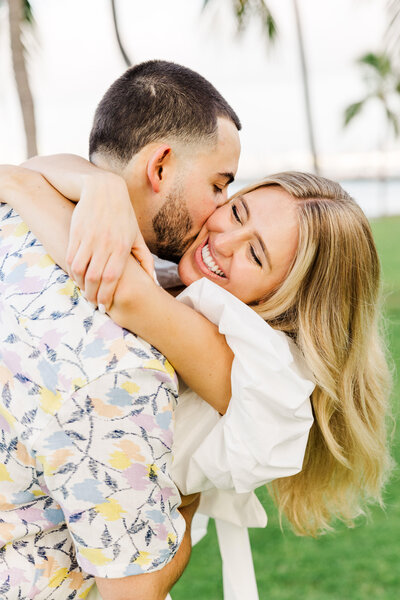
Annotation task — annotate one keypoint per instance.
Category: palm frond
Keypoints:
(381, 63)
(268, 21)
(28, 14)
(394, 120)
(352, 111)
(245, 9)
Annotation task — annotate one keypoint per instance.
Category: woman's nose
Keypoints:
(229, 241)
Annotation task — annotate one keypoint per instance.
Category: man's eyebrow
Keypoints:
(229, 176)
(259, 238)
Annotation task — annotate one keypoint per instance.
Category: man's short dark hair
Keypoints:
(153, 101)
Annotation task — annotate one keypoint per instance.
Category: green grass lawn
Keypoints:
(351, 564)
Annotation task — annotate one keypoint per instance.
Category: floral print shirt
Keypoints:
(86, 411)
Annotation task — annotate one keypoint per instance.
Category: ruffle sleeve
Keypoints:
(264, 433)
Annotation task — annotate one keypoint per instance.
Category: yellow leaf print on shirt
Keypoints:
(79, 382)
(152, 470)
(58, 577)
(130, 387)
(7, 415)
(21, 229)
(111, 509)
(50, 402)
(6, 376)
(143, 559)
(85, 593)
(69, 289)
(171, 538)
(158, 366)
(45, 261)
(4, 474)
(119, 460)
(95, 556)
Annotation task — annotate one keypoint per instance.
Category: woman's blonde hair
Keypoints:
(329, 304)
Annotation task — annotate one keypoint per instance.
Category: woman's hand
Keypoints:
(104, 232)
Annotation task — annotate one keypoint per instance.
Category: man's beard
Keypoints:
(171, 226)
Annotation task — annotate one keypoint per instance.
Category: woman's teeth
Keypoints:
(209, 262)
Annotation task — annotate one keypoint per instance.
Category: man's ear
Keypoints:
(156, 166)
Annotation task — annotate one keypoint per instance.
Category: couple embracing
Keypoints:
(278, 370)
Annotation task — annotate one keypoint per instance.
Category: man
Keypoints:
(75, 386)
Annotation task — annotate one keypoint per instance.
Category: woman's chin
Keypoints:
(186, 276)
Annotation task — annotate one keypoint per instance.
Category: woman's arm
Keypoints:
(192, 344)
(105, 207)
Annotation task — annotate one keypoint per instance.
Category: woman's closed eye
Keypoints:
(253, 253)
(235, 213)
(255, 257)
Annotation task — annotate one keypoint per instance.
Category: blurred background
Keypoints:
(317, 87)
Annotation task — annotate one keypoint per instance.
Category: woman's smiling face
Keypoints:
(247, 245)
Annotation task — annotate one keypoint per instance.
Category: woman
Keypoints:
(311, 272)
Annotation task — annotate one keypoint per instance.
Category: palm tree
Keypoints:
(121, 47)
(383, 86)
(306, 87)
(19, 11)
(243, 10)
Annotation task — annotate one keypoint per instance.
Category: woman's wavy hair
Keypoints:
(329, 303)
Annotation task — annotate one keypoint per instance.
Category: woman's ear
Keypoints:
(156, 166)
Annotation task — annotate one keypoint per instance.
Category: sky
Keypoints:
(73, 58)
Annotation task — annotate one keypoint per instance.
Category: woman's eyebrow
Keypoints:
(259, 238)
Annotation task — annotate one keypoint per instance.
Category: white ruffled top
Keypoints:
(262, 436)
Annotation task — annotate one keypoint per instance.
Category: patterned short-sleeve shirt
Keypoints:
(86, 413)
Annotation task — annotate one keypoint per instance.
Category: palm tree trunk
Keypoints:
(16, 17)
(125, 56)
(304, 71)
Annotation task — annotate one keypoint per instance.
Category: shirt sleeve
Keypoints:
(106, 458)
(264, 433)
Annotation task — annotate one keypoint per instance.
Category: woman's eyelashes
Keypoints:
(237, 218)
(218, 190)
(235, 213)
(254, 255)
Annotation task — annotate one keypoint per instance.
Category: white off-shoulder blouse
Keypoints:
(262, 436)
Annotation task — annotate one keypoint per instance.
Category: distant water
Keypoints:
(377, 198)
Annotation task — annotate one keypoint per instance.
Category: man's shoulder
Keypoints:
(56, 327)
